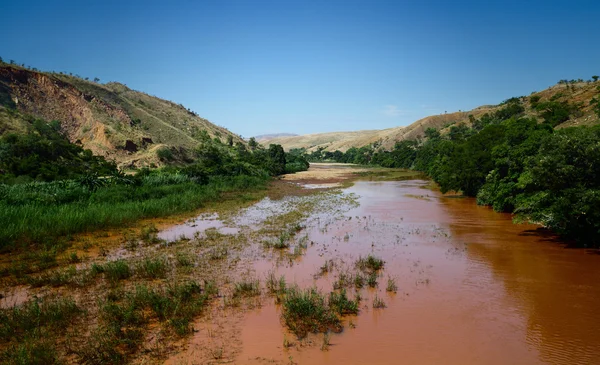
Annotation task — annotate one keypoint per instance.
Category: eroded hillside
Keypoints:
(110, 119)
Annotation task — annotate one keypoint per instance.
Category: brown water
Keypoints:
(474, 288)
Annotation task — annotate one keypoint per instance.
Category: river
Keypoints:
(473, 288)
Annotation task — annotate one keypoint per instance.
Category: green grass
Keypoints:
(391, 287)
(274, 285)
(378, 302)
(30, 351)
(114, 271)
(184, 260)
(28, 220)
(372, 279)
(246, 288)
(153, 268)
(339, 302)
(33, 315)
(308, 311)
(125, 316)
(29, 330)
(370, 263)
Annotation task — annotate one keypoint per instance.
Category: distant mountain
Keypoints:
(267, 137)
(110, 119)
(577, 94)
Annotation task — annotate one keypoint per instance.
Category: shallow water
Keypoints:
(474, 288)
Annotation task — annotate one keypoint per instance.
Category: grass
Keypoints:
(183, 260)
(29, 219)
(28, 330)
(372, 280)
(58, 278)
(359, 281)
(326, 341)
(30, 351)
(339, 302)
(276, 286)
(124, 316)
(153, 268)
(344, 280)
(391, 287)
(378, 302)
(114, 271)
(370, 263)
(327, 267)
(307, 311)
(38, 313)
(246, 288)
(218, 253)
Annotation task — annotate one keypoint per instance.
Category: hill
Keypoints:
(110, 119)
(266, 137)
(575, 96)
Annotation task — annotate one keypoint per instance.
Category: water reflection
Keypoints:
(556, 288)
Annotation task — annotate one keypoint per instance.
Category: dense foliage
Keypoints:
(511, 163)
(54, 188)
(46, 154)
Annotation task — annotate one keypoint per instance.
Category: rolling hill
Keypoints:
(576, 93)
(110, 119)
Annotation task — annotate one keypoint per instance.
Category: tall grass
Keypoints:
(27, 331)
(30, 217)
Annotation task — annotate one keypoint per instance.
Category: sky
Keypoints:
(257, 67)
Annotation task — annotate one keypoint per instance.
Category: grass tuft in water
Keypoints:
(378, 302)
(370, 263)
(339, 302)
(246, 288)
(307, 311)
(391, 287)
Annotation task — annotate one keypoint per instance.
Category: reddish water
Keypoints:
(474, 288)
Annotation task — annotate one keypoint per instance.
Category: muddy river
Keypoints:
(473, 288)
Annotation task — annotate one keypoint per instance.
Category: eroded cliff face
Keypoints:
(111, 120)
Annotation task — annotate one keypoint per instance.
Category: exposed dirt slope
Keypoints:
(109, 119)
(575, 93)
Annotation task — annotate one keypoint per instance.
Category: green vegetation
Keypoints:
(391, 287)
(53, 188)
(124, 315)
(339, 302)
(307, 311)
(513, 164)
(153, 268)
(246, 288)
(45, 154)
(25, 330)
(378, 302)
(370, 263)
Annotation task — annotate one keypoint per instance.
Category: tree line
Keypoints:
(509, 162)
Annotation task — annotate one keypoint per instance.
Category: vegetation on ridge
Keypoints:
(512, 163)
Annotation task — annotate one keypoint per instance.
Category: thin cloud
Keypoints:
(391, 111)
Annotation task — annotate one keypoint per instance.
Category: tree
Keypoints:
(595, 103)
(432, 133)
(96, 79)
(276, 160)
(561, 185)
(595, 78)
(1, 60)
(252, 143)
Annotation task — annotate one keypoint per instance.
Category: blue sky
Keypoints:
(302, 67)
